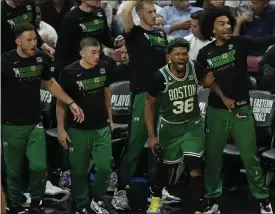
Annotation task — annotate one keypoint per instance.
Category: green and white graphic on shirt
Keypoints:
(28, 73)
(178, 102)
(157, 40)
(92, 26)
(222, 60)
(25, 18)
(91, 84)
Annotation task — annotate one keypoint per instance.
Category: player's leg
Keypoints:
(243, 133)
(193, 149)
(170, 138)
(102, 156)
(79, 155)
(36, 154)
(14, 146)
(217, 130)
(132, 151)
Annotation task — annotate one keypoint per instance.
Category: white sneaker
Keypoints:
(56, 194)
(212, 209)
(27, 200)
(99, 207)
(266, 208)
(120, 201)
(166, 197)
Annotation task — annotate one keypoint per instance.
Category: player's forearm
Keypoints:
(216, 88)
(150, 118)
(108, 104)
(54, 88)
(128, 7)
(60, 114)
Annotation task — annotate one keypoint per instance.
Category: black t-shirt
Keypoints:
(121, 73)
(269, 57)
(77, 25)
(157, 82)
(51, 16)
(86, 87)
(11, 17)
(21, 81)
(229, 64)
(147, 53)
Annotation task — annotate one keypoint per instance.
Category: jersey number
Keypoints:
(182, 106)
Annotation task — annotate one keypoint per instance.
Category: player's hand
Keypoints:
(112, 126)
(63, 138)
(77, 112)
(229, 103)
(119, 41)
(48, 50)
(244, 17)
(152, 142)
(209, 79)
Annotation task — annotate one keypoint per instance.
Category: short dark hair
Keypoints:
(178, 42)
(208, 18)
(21, 28)
(196, 15)
(140, 4)
(87, 42)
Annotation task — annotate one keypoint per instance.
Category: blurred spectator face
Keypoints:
(92, 3)
(18, 2)
(57, 1)
(217, 3)
(195, 27)
(259, 5)
(124, 55)
(222, 28)
(38, 17)
(91, 54)
(159, 22)
(148, 14)
(181, 4)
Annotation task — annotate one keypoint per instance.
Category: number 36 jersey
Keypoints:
(177, 98)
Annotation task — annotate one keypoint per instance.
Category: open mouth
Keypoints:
(33, 49)
(181, 65)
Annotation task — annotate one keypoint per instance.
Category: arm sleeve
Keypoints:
(107, 38)
(250, 43)
(48, 69)
(109, 77)
(157, 84)
(201, 60)
(131, 35)
(65, 81)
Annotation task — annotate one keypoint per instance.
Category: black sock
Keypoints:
(161, 179)
(197, 186)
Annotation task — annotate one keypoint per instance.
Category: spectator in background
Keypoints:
(46, 31)
(177, 21)
(108, 11)
(54, 11)
(196, 40)
(259, 21)
(213, 3)
(122, 71)
(159, 21)
(238, 6)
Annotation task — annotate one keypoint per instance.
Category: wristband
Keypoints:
(71, 103)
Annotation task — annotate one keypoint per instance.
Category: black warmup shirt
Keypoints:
(121, 73)
(77, 25)
(10, 17)
(229, 64)
(21, 81)
(51, 16)
(86, 88)
(147, 53)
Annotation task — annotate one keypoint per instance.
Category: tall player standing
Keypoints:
(147, 52)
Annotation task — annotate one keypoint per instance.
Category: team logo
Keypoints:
(11, 22)
(96, 21)
(97, 80)
(102, 71)
(16, 72)
(80, 85)
(33, 68)
(52, 69)
(191, 77)
(161, 33)
(38, 59)
(29, 7)
(230, 46)
(99, 14)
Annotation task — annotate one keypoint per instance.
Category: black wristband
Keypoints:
(71, 103)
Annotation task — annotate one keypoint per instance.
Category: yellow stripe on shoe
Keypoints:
(155, 206)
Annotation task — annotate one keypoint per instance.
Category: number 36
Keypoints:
(183, 106)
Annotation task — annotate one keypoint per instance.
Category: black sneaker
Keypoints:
(36, 209)
(16, 210)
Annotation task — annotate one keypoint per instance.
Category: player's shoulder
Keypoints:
(9, 55)
(73, 67)
(45, 58)
(103, 66)
(98, 11)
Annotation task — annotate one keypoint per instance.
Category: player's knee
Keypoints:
(193, 165)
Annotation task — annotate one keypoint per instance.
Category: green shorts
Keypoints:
(180, 139)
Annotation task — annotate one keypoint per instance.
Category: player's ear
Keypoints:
(82, 54)
(18, 41)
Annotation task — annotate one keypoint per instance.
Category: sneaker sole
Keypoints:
(64, 197)
(166, 202)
